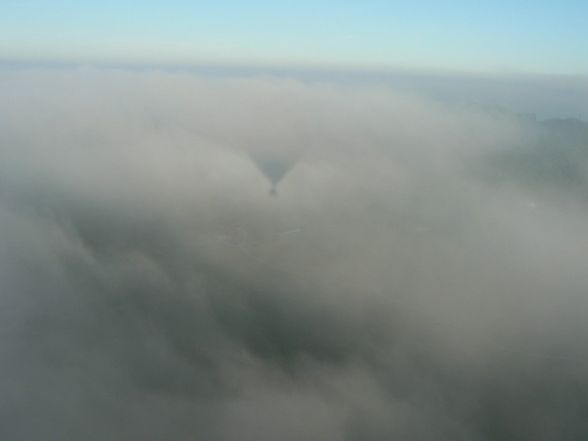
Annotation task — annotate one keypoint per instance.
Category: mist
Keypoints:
(259, 258)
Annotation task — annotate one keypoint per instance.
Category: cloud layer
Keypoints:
(419, 274)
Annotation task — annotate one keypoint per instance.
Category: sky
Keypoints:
(500, 36)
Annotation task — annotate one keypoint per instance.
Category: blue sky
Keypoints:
(517, 36)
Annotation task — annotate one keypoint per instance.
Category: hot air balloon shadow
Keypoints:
(273, 168)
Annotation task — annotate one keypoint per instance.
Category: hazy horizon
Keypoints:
(545, 96)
